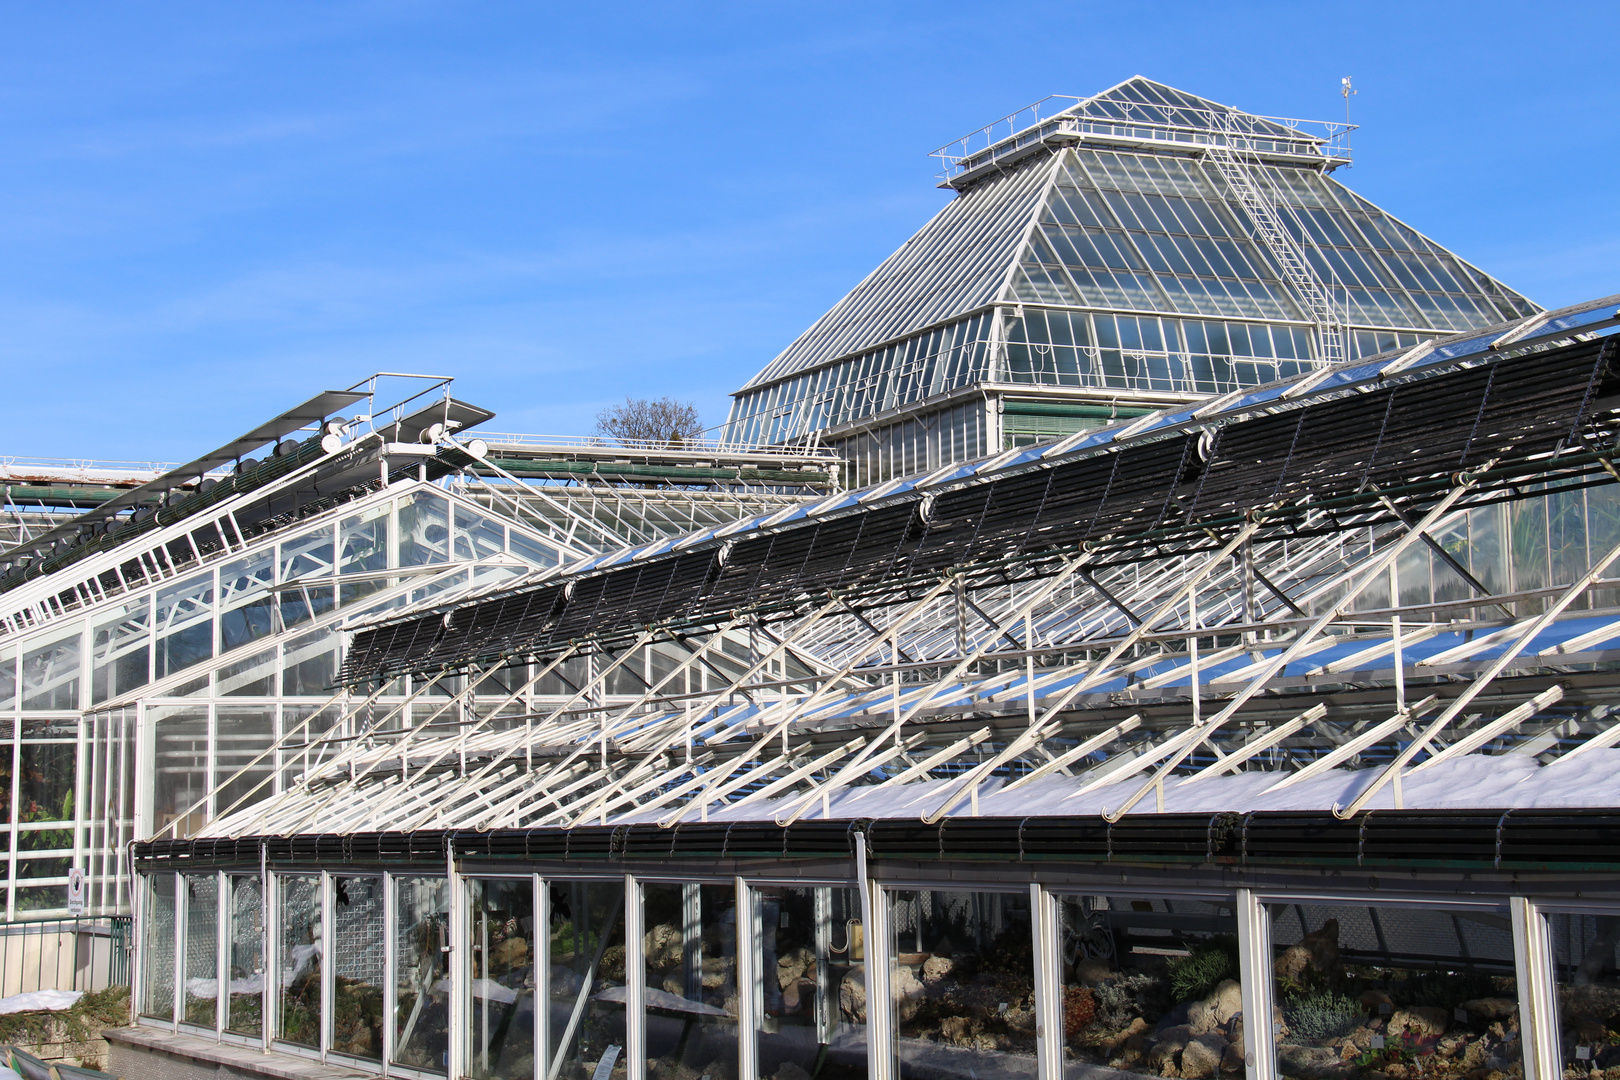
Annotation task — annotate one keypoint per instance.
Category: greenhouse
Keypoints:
(1271, 735)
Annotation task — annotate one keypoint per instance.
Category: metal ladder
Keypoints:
(1316, 296)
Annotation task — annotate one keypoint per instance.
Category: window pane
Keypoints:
(184, 622)
(157, 958)
(202, 949)
(810, 982)
(245, 604)
(587, 996)
(501, 999)
(45, 780)
(422, 1001)
(476, 536)
(246, 1015)
(180, 759)
(1365, 989)
(424, 521)
(300, 959)
(1150, 984)
(962, 982)
(357, 942)
(50, 674)
(119, 651)
(1587, 972)
(690, 954)
(241, 734)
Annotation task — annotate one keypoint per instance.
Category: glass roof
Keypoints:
(1118, 234)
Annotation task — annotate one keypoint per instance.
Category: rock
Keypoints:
(716, 973)
(1136, 1027)
(1092, 971)
(1316, 951)
(661, 946)
(1376, 1003)
(511, 953)
(1201, 1018)
(1226, 1001)
(852, 995)
(1487, 1010)
(789, 1070)
(1202, 1056)
(1421, 1020)
(956, 1031)
(1161, 1056)
(907, 991)
(1589, 1032)
(794, 965)
(1232, 1057)
(936, 968)
(674, 983)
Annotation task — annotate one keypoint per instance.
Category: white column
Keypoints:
(1538, 999)
(542, 976)
(224, 907)
(390, 986)
(750, 983)
(1254, 964)
(460, 966)
(328, 937)
(635, 983)
(1046, 926)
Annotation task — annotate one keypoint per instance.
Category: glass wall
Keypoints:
(298, 948)
(1363, 989)
(157, 948)
(585, 996)
(201, 971)
(1586, 970)
(810, 992)
(1150, 984)
(1146, 984)
(358, 954)
(961, 983)
(500, 1002)
(689, 955)
(245, 1004)
(421, 972)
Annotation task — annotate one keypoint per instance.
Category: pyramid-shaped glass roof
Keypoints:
(1140, 203)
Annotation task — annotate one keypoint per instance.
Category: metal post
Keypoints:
(635, 982)
(1538, 998)
(1046, 926)
(1254, 965)
(750, 980)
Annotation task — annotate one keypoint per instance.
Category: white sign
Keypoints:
(75, 891)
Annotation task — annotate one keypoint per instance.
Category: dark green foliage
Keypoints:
(1445, 990)
(1195, 975)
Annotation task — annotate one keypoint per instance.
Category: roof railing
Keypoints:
(1192, 125)
(603, 443)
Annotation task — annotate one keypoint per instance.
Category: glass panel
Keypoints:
(157, 948)
(357, 966)
(501, 1001)
(585, 1000)
(476, 536)
(299, 951)
(424, 529)
(811, 983)
(310, 555)
(184, 625)
(1587, 973)
(202, 949)
(252, 676)
(1150, 985)
(363, 549)
(50, 674)
(310, 665)
(241, 734)
(962, 983)
(8, 679)
(422, 995)
(690, 954)
(180, 765)
(246, 1010)
(119, 651)
(45, 781)
(1364, 990)
(245, 604)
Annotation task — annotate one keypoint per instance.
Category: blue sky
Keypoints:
(210, 211)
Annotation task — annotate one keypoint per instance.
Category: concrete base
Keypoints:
(143, 1053)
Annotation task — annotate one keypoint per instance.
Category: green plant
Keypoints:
(1196, 974)
(1445, 990)
(1321, 1016)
